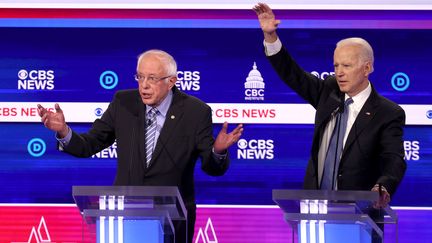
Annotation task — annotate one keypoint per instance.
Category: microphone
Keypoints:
(131, 154)
(335, 111)
(342, 103)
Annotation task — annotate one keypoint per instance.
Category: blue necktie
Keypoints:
(334, 152)
(150, 134)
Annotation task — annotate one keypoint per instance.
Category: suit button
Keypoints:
(340, 175)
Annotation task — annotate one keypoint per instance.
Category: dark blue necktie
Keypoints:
(150, 134)
(334, 152)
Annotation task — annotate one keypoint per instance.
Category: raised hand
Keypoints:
(224, 140)
(54, 121)
(267, 21)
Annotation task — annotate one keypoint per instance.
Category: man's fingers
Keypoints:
(264, 7)
(41, 110)
(44, 117)
(256, 9)
(57, 108)
(224, 127)
(238, 130)
(261, 8)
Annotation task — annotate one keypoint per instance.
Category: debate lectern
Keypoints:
(333, 216)
(129, 214)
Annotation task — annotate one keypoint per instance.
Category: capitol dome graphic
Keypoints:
(254, 80)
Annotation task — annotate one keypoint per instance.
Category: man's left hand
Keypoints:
(384, 197)
(224, 140)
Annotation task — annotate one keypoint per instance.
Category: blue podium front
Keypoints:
(333, 216)
(131, 231)
(122, 214)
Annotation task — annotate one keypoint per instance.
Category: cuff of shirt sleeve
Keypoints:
(219, 156)
(272, 48)
(64, 141)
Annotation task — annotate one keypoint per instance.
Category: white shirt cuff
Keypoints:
(272, 48)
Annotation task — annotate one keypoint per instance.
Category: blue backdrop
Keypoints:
(214, 65)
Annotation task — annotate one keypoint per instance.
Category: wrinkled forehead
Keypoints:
(347, 52)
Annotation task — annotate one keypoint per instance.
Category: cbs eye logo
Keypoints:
(36, 147)
(22, 74)
(98, 112)
(429, 114)
(242, 144)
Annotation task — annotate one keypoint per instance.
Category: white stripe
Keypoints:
(214, 4)
(198, 206)
(246, 113)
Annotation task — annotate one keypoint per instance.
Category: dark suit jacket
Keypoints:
(187, 135)
(373, 152)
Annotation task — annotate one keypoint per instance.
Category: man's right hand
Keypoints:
(54, 121)
(267, 21)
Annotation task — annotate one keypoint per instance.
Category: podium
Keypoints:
(333, 216)
(129, 214)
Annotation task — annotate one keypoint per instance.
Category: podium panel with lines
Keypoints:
(129, 214)
(333, 216)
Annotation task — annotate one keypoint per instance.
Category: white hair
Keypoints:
(366, 51)
(167, 59)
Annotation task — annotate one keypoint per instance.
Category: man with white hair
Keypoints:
(160, 132)
(357, 143)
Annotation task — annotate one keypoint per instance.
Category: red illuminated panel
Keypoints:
(63, 223)
(26, 223)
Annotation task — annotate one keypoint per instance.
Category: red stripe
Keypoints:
(127, 13)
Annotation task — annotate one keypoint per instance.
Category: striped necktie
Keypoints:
(150, 134)
(334, 152)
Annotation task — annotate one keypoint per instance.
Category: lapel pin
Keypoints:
(368, 113)
(172, 117)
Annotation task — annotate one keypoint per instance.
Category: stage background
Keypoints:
(65, 56)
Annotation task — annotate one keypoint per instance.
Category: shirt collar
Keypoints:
(164, 105)
(360, 98)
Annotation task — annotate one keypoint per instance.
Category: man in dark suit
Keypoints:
(160, 133)
(372, 156)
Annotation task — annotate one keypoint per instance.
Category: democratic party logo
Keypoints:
(35, 79)
(208, 235)
(254, 85)
(108, 80)
(188, 80)
(412, 150)
(400, 81)
(36, 147)
(255, 149)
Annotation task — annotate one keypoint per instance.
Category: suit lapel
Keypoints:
(142, 131)
(365, 115)
(173, 116)
(324, 114)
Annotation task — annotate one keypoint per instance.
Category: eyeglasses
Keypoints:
(150, 79)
